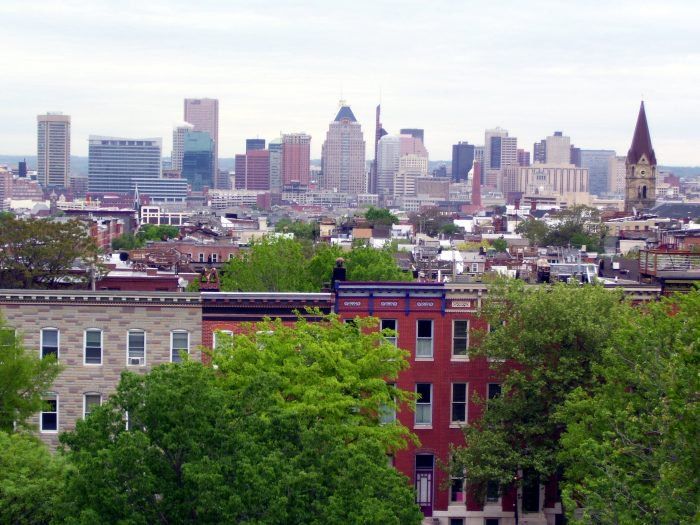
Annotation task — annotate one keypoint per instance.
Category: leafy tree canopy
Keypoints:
(283, 429)
(24, 378)
(429, 220)
(377, 216)
(577, 226)
(500, 245)
(147, 232)
(301, 229)
(39, 253)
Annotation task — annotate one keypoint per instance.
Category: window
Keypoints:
(459, 402)
(201, 257)
(49, 416)
(49, 342)
(460, 338)
(390, 324)
(91, 401)
(494, 390)
(457, 489)
(136, 347)
(492, 521)
(214, 257)
(387, 414)
(424, 404)
(93, 347)
(179, 344)
(531, 491)
(492, 491)
(424, 339)
(217, 341)
(7, 336)
(456, 521)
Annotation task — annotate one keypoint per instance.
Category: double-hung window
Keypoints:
(49, 415)
(460, 338)
(90, 401)
(218, 340)
(459, 403)
(424, 339)
(390, 324)
(49, 342)
(424, 404)
(136, 348)
(93, 347)
(387, 414)
(179, 344)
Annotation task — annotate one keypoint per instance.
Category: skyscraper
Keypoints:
(598, 163)
(379, 132)
(179, 132)
(198, 160)
(253, 144)
(53, 150)
(523, 157)
(253, 170)
(500, 151)
(203, 114)
(114, 162)
(343, 154)
(388, 153)
(462, 161)
(640, 182)
(558, 149)
(539, 152)
(296, 159)
(416, 133)
(275, 149)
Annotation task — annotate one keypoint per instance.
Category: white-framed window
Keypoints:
(493, 491)
(49, 415)
(424, 339)
(214, 257)
(90, 401)
(201, 257)
(216, 338)
(459, 403)
(179, 344)
(424, 404)
(387, 414)
(475, 267)
(390, 324)
(456, 489)
(93, 347)
(50, 338)
(136, 348)
(460, 338)
(230, 256)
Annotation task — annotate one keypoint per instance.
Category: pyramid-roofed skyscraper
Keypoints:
(343, 154)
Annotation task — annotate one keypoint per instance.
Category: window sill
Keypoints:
(462, 358)
(422, 427)
(92, 364)
(458, 424)
(424, 359)
(48, 431)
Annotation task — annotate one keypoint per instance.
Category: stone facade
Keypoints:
(158, 315)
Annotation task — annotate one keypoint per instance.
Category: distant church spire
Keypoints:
(640, 177)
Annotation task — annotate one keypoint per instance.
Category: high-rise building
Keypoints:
(500, 151)
(296, 159)
(523, 157)
(388, 153)
(253, 144)
(416, 133)
(53, 150)
(343, 154)
(253, 170)
(179, 132)
(462, 161)
(558, 149)
(198, 160)
(411, 167)
(575, 156)
(203, 114)
(640, 180)
(598, 163)
(539, 152)
(617, 171)
(114, 162)
(479, 155)
(275, 148)
(379, 132)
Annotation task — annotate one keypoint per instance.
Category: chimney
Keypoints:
(339, 272)
(533, 205)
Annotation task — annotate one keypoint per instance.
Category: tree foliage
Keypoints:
(631, 446)
(380, 216)
(500, 245)
(31, 480)
(533, 230)
(301, 229)
(429, 220)
(556, 334)
(147, 232)
(24, 379)
(284, 428)
(39, 253)
(576, 226)
(280, 264)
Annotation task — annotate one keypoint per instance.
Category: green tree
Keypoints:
(450, 229)
(533, 230)
(429, 220)
(631, 446)
(24, 379)
(39, 253)
(301, 229)
(578, 225)
(557, 335)
(31, 480)
(147, 232)
(272, 264)
(500, 245)
(364, 263)
(284, 428)
(380, 216)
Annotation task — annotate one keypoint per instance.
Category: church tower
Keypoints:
(640, 179)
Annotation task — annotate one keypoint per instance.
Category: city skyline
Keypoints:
(582, 70)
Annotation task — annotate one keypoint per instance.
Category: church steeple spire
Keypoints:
(641, 141)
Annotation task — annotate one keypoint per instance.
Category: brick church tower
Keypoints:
(640, 179)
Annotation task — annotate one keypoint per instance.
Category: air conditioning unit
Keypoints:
(136, 361)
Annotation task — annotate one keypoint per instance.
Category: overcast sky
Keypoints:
(453, 68)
